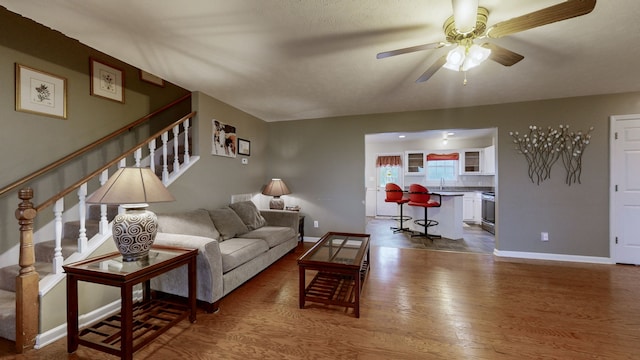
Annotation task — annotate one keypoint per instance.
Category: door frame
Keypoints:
(613, 119)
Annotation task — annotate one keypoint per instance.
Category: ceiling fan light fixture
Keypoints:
(455, 58)
(465, 14)
(475, 56)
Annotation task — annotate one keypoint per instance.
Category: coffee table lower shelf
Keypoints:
(150, 320)
(335, 288)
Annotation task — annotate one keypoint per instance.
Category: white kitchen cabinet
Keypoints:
(471, 162)
(472, 207)
(415, 162)
(489, 160)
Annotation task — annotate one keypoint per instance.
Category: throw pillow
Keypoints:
(194, 222)
(249, 214)
(227, 222)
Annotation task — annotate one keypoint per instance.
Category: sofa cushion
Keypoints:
(273, 235)
(238, 251)
(249, 213)
(194, 222)
(227, 222)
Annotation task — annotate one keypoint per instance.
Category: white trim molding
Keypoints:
(553, 257)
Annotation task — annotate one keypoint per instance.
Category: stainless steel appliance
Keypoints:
(488, 212)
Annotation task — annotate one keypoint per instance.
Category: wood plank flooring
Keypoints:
(417, 304)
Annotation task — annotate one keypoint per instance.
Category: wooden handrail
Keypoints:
(89, 147)
(85, 179)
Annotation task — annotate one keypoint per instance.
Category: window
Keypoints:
(442, 166)
(389, 169)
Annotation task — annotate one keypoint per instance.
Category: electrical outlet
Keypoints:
(315, 223)
(544, 236)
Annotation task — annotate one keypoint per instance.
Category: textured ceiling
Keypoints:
(288, 60)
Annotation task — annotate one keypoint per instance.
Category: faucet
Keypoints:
(441, 183)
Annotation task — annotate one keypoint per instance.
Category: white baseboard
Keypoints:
(84, 320)
(554, 257)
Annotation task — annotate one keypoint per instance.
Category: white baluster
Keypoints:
(122, 163)
(58, 207)
(104, 223)
(165, 167)
(137, 155)
(176, 156)
(186, 142)
(82, 208)
(152, 155)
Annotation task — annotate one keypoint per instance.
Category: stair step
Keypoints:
(94, 212)
(8, 315)
(46, 249)
(8, 275)
(72, 228)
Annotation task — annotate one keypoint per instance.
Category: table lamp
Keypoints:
(133, 188)
(276, 188)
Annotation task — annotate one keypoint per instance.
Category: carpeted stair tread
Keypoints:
(8, 315)
(94, 212)
(72, 228)
(46, 249)
(8, 275)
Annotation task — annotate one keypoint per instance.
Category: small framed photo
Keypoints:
(150, 78)
(244, 147)
(38, 92)
(106, 81)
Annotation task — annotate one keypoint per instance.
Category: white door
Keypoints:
(625, 189)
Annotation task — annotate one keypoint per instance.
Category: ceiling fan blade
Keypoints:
(566, 10)
(502, 56)
(432, 69)
(387, 54)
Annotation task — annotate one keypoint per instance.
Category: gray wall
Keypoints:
(29, 142)
(213, 179)
(323, 160)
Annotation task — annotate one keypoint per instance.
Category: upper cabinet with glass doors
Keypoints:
(414, 161)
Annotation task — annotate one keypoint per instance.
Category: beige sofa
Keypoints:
(235, 243)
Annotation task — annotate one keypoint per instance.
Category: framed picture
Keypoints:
(150, 78)
(223, 139)
(38, 92)
(244, 147)
(106, 81)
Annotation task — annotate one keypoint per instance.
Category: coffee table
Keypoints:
(139, 322)
(342, 264)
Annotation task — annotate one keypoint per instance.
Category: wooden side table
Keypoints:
(138, 323)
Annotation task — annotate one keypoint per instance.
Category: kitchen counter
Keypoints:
(448, 215)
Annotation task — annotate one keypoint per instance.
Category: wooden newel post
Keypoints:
(27, 303)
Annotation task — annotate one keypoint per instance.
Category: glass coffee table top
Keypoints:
(339, 248)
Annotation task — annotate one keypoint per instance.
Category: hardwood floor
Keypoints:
(417, 304)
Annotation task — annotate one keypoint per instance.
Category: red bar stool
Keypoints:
(420, 196)
(396, 195)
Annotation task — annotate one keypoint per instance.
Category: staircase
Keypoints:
(82, 231)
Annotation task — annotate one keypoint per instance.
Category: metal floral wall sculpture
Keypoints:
(544, 147)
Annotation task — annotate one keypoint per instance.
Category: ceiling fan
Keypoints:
(469, 23)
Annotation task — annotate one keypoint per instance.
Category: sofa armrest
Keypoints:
(282, 218)
(209, 268)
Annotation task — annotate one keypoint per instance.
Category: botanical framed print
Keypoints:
(38, 92)
(106, 81)
(244, 147)
(223, 139)
(150, 78)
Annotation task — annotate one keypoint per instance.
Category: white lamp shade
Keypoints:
(276, 187)
(475, 56)
(455, 58)
(131, 185)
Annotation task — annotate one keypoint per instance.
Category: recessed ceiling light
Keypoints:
(402, 136)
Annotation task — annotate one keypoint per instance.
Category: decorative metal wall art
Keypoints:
(543, 147)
